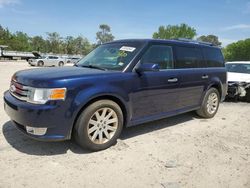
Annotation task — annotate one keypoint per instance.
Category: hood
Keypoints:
(36, 54)
(238, 77)
(48, 77)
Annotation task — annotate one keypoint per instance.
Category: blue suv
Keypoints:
(121, 83)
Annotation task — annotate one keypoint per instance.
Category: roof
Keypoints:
(170, 41)
(238, 62)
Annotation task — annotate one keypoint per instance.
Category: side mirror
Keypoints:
(147, 67)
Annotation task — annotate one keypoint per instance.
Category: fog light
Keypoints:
(36, 131)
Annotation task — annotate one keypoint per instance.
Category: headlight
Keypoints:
(41, 96)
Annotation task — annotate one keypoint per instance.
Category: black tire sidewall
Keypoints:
(81, 135)
(60, 64)
(40, 63)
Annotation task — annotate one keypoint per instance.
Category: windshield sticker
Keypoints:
(127, 48)
(122, 54)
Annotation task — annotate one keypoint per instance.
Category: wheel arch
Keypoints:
(217, 86)
(213, 84)
(111, 97)
(60, 62)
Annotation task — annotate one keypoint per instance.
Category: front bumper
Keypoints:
(237, 89)
(50, 116)
(33, 63)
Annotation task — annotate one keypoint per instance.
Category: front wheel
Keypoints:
(99, 125)
(40, 63)
(210, 104)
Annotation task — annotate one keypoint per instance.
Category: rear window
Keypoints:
(213, 57)
(187, 57)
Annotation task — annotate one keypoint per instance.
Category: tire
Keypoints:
(210, 104)
(60, 64)
(40, 64)
(94, 133)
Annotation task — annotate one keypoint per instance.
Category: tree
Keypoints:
(238, 51)
(3, 35)
(210, 38)
(39, 44)
(104, 35)
(69, 45)
(6, 37)
(82, 46)
(54, 42)
(20, 41)
(175, 31)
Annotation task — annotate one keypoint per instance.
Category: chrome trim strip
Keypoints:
(22, 98)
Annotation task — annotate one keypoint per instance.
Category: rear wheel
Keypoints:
(99, 125)
(210, 104)
(40, 63)
(60, 64)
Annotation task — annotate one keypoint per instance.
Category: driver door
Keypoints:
(157, 92)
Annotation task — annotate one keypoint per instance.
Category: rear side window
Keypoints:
(213, 57)
(159, 54)
(187, 57)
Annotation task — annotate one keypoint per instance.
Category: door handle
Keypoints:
(204, 77)
(172, 80)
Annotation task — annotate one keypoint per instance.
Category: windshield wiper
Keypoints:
(93, 67)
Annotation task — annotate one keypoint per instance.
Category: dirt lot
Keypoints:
(182, 151)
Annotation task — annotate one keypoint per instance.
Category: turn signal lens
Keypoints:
(58, 94)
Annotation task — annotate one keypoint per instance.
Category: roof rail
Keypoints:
(195, 41)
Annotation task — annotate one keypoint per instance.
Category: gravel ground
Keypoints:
(182, 151)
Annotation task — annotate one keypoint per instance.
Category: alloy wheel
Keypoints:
(102, 125)
(212, 103)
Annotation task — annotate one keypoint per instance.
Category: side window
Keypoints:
(55, 57)
(188, 57)
(213, 57)
(159, 54)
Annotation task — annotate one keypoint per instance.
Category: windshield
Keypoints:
(113, 56)
(238, 67)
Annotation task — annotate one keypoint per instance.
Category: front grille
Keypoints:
(19, 91)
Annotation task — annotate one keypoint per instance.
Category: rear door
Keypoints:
(56, 61)
(216, 67)
(193, 75)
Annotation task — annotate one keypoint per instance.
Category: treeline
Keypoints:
(54, 43)
(238, 51)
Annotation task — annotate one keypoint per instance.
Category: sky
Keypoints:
(228, 19)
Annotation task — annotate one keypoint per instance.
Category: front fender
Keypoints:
(86, 95)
